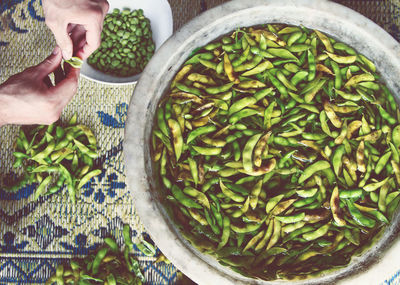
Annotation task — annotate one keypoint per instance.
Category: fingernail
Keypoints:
(56, 50)
(65, 54)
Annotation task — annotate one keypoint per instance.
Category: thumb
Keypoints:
(50, 63)
(64, 41)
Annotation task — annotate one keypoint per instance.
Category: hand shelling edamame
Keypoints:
(30, 97)
(277, 151)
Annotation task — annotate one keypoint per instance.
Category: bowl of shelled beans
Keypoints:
(262, 144)
(132, 32)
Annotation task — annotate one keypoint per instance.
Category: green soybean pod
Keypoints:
(298, 77)
(162, 124)
(183, 199)
(98, 259)
(225, 232)
(358, 217)
(87, 177)
(111, 279)
(338, 76)
(111, 244)
(248, 152)
(310, 170)
(350, 194)
(42, 187)
(291, 219)
(312, 68)
(317, 233)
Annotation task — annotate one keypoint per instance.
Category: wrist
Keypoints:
(3, 107)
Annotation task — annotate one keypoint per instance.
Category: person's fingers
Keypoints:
(93, 36)
(47, 81)
(67, 88)
(105, 7)
(49, 64)
(78, 36)
(92, 43)
(63, 41)
(58, 75)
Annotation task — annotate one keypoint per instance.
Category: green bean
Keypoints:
(285, 82)
(177, 137)
(42, 187)
(344, 47)
(359, 78)
(241, 104)
(391, 207)
(298, 232)
(358, 217)
(195, 59)
(342, 59)
(230, 194)
(281, 88)
(325, 40)
(310, 94)
(291, 219)
(268, 233)
(200, 131)
(382, 197)
(282, 53)
(249, 65)
(99, 257)
(259, 68)
(111, 244)
(275, 235)
(87, 177)
(385, 115)
(317, 233)
(304, 202)
(383, 160)
(311, 66)
(309, 171)
(183, 199)
(75, 62)
(375, 185)
(335, 207)
(248, 152)
(250, 227)
(298, 77)
(225, 232)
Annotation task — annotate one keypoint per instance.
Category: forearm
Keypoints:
(4, 103)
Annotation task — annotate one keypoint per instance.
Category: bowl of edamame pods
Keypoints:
(132, 32)
(263, 146)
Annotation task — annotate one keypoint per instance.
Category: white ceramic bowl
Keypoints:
(160, 15)
(337, 21)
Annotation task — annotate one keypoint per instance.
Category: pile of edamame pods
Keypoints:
(127, 44)
(56, 155)
(108, 265)
(277, 149)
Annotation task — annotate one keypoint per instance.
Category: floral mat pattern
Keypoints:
(35, 236)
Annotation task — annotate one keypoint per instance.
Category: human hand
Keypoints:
(76, 24)
(29, 97)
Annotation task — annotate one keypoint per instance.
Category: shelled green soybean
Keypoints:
(277, 149)
(126, 43)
